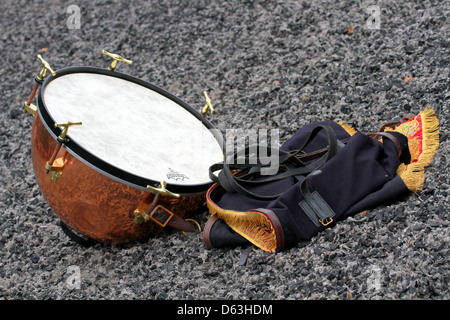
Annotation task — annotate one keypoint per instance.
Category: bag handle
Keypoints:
(388, 136)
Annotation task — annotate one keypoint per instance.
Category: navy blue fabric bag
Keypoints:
(326, 173)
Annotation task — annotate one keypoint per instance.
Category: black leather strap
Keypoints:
(315, 207)
(289, 161)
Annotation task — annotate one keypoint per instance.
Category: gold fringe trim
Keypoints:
(253, 226)
(414, 174)
(347, 128)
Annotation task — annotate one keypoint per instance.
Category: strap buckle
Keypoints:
(161, 216)
(327, 221)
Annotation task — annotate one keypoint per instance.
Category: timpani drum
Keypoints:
(117, 158)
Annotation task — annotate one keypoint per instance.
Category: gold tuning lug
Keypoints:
(45, 67)
(66, 127)
(55, 169)
(30, 108)
(163, 190)
(208, 105)
(116, 58)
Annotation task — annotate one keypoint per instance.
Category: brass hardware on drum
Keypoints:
(138, 217)
(27, 106)
(45, 67)
(208, 105)
(116, 58)
(55, 168)
(55, 165)
(141, 215)
(48, 164)
(55, 175)
(163, 190)
(66, 126)
(30, 108)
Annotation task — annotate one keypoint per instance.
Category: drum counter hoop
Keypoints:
(117, 158)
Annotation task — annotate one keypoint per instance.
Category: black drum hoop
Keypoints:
(104, 167)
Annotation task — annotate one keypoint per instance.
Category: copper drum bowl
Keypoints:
(94, 198)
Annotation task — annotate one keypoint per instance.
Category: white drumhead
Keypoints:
(133, 127)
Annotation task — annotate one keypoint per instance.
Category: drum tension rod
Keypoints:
(45, 67)
(116, 58)
(208, 105)
(163, 190)
(66, 126)
(28, 106)
(56, 170)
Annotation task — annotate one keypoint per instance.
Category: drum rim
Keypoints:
(104, 167)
